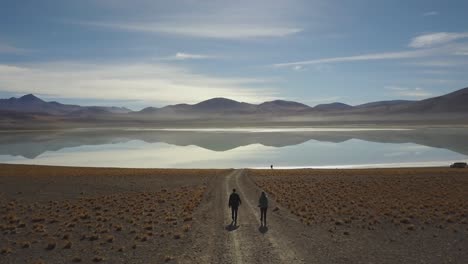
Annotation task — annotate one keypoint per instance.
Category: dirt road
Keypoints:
(214, 240)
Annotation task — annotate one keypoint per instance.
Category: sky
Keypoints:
(154, 53)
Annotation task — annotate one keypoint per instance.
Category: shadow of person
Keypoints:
(231, 227)
(263, 229)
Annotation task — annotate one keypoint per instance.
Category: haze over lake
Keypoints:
(237, 148)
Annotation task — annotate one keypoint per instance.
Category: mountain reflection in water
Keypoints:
(14, 147)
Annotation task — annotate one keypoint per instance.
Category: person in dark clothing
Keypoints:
(234, 202)
(263, 204)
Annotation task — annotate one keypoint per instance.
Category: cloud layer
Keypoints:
(190, 56)
(434, 39)
(153, 84)
(204, 30)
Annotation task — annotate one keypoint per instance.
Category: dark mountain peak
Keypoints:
(336, 106)
(30, 98)
(218, 102)
(284, 103)
(279, 106)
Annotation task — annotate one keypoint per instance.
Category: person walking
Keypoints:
(234, 202)
(263, 204)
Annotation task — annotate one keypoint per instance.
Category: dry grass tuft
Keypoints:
(26, 244)
(98, 259)
(68, 245)
(6, 251)
(76, 259)
(51, 245)
(370, 198)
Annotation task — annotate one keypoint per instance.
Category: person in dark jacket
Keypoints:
(263, 204)
(234, 202)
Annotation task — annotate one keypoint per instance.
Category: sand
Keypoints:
(111, 215)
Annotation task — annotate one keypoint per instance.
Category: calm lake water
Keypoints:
(237, 148)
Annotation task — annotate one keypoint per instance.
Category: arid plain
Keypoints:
(110, 215)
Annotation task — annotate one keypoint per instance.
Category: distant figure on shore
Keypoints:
(263, 204)
(234, 202)
(271, 166)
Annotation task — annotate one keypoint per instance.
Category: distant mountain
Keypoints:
(282, 106)
(332, 107)
(221, 104)
(453, 102)
(211, 106)
(32, 104)
(224, 106)
(148, 110)
(452, 106)
(384, 104)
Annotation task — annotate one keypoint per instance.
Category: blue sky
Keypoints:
(142, 53)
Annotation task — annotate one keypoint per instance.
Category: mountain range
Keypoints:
(32, 104)
(452, 106)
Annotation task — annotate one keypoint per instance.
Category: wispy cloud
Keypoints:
(201, 30)
(434, 39)
(157, 84)
(191, 56)
(431, 13)
(363, 57)
(424, 44)
(408, 92)
(298, 68)
(242, 19)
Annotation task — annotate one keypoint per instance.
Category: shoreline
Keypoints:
(410, 165)
(245, 127)
(4, 166)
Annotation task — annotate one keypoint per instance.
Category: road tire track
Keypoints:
(214, 241)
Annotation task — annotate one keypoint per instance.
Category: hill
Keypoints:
(449, 108)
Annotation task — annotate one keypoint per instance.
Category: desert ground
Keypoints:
(110, 215)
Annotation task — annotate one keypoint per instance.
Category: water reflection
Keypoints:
(162, 148)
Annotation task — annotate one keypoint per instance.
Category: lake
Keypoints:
(237, 148)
